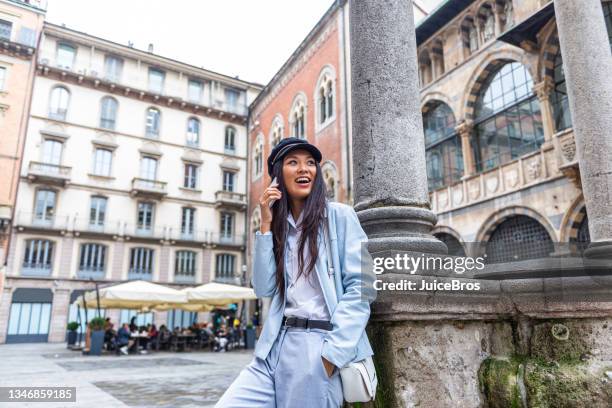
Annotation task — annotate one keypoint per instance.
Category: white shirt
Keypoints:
(304, 296)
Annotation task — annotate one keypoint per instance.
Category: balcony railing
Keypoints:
(206, 237)
(230, 199)
(34, 220)
(52, 173)
(148, 187)
(35, 269)
(94, 273)
(140, 274)
(231, 280)
(184, 278)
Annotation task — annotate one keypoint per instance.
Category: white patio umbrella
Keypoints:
(218, 294)
(141, 295)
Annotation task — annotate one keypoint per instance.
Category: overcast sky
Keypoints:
(246, 38)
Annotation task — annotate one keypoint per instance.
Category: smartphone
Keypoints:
(274, 183)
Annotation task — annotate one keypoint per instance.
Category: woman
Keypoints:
(314, 327)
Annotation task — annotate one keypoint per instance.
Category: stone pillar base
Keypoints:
(599, 250)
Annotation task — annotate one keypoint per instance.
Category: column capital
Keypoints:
(544, 88)
(465, 128)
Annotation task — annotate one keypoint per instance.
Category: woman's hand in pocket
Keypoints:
(329, 367)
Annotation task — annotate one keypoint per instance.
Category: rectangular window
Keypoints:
(92, 258)
(148, 168)
(5, 30)
(152, 124)
(65, 56)
(145, 217)
(30, 319)
(156, 81)
(97, 211)
(181, 318)
(228, 181)
(225, 266)
(141, 263)
(185, 263)
(230, 142)
(191, 176)
(187, 221)
(44, 208)
(2, 78)
(194, 91)
(52, 152)
(227, 225)
(231, 100)
(113, 68)
(103, 159)
(38, 257)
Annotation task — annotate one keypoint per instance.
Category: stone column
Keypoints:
(587, 63)
(465, 130)
(390, 176)
(543, 90)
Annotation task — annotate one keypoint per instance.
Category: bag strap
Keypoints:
(330, 265)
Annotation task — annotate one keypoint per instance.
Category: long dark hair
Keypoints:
(312, 217)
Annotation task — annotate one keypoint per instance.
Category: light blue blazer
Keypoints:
(347, 341)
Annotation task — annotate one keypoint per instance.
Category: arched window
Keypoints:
(277, 131)
(583, 237)
(58, 103)
(193, 132)
(454, 246)
(153, 121)
(487, 23)
(325, 98)
(607, 9)
(508, 15)
(425, 68)
(230, 140)
(330, 178)
(442, 146)
(108, 113)
(559, 99)
(508, 119)
(518, 238)
(258, 157)
(298, 118)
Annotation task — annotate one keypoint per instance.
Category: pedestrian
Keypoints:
(315, 325)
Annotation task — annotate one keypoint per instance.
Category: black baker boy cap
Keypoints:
(288, 144)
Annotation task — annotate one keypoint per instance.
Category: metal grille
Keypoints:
(518, 238)
(454, 246)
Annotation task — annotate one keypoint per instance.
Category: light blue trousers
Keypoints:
(291, 376)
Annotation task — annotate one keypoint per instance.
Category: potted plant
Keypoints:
(72, 333)
(96, 326)
(249, 337)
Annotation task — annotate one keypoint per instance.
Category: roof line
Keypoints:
(317, 27)
(150, 54)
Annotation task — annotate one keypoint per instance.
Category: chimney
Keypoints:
(150, 49)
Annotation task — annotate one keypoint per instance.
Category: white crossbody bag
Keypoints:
(359, 378)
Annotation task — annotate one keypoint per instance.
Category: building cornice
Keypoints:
(88, 40)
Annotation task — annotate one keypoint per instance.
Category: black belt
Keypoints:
(306, 323)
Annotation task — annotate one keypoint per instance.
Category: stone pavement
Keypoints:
(161, 379)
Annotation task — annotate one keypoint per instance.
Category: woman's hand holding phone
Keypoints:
(269, 196)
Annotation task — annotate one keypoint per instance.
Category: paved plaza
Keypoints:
(160, 379)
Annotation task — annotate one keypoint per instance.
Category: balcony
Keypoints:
(91, 273)
(148, 188)
(41, 221)
(35, 269)
(226, 239)
(140, 274)
(230, 280)
(49, 173)
(205, 237)
(229, 199)
(184, 279)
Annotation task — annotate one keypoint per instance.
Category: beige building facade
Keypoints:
(134, 167)
(20, 28)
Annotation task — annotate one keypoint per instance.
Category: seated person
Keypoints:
(124, 341)
(222, 338)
